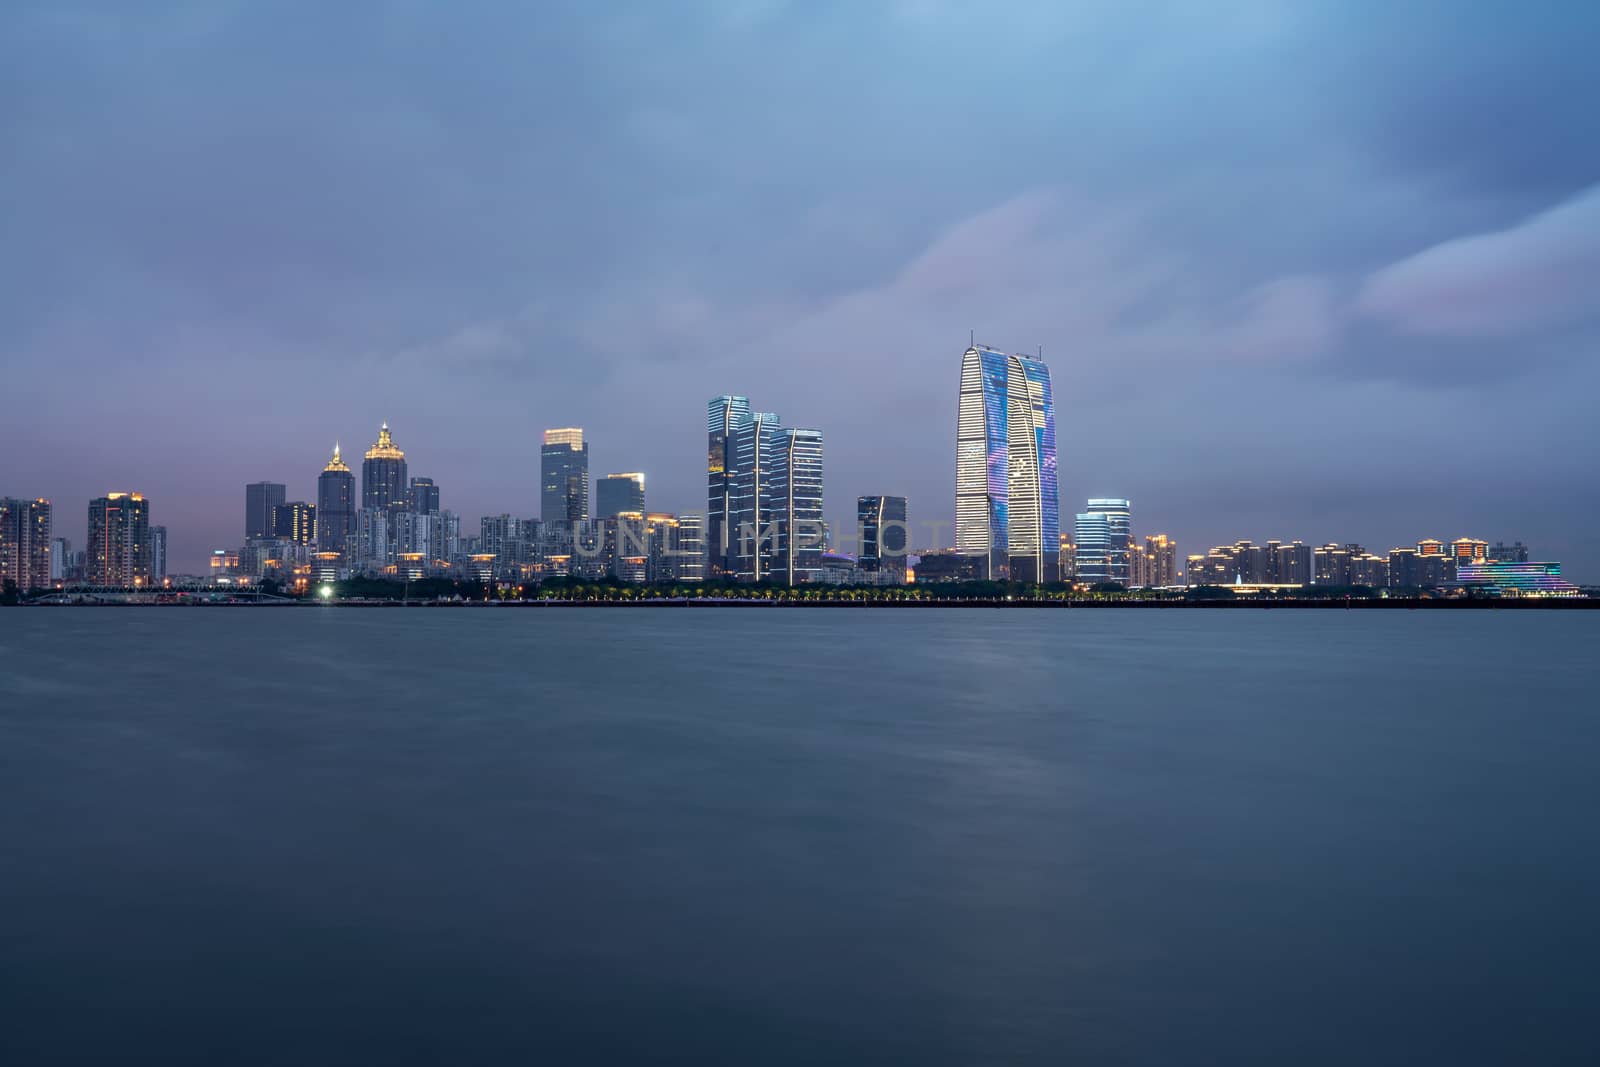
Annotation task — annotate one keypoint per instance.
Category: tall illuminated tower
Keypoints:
(336, 504)
(724, 416)
(797, 505)
(383, 475)
(982, 474)
(564, 477)
(1033, 517)
(119, 540)
(752, 550)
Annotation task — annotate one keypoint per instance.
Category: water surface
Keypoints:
(260, 836)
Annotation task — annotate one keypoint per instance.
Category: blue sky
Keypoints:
(1319, 270)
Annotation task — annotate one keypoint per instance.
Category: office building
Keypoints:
(883, 537)
(797, 505)
(616, 493)
(424, 496)
(1033, 516)
(383, 475)
(1101, 534)
(752, 533)
(724, 416)
(119, 540)
(564, 477)
(295, 522)
(259, 500)
(336, 504)
(25, 542)
(982, 461)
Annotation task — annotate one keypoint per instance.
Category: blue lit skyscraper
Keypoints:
(724, 416)
(1103, 533)
(1033, 519)
(982, 477)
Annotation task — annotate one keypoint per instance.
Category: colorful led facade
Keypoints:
(1033, 518)
(982, 467)
(1515, 578)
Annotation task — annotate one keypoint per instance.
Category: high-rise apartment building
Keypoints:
(884, 537)
(296, 522)
(1469, 550)
(25, 542)
(1158, 562)
(119, 540)
(259, 500)
(383, 475)
(616, 493)
(724, 416)
(1068, 559)
(564, 477)
(1102, 533)
(336, 504)
(1512, 553)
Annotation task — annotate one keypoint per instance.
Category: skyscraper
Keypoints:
(336, 504)
(883, 537)
(690, 563)
(25, 542)
(383, 475)
(424, 496)
(296, 521)
(616, 493)
(724, 416)
(119, 540)
(982, 472)
(752, 537)
(1033, 517)
(1102, 534)
(564, 477)
(259, 500)
(797, 505)
(158, 554)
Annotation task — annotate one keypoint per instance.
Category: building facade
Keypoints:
(383, 475)
(336, 504)
(724, 416)
(295, 522)
(884, 536)
(616, 493)
(119, 540)
(1033, 514)
(158, 554)
(982, 461)
(424, 496)
(797, 505)
(26, 536)
(564, 477)
(259, 500)
(751, 530)
(1102, 534)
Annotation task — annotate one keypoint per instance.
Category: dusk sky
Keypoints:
(1327, 271)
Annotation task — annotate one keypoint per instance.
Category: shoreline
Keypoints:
(1375, 604)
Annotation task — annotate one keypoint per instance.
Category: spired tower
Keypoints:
(336, 504)
(383, 475)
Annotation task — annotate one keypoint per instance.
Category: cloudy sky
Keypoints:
(1327, 271)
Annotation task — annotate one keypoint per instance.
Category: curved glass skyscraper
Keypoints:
(1007, 511)
(1033, 520)
(1103, 534)
(981, 474)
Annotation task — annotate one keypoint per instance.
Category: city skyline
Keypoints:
(1358, 308)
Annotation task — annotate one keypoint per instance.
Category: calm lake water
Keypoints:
(240, 837)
